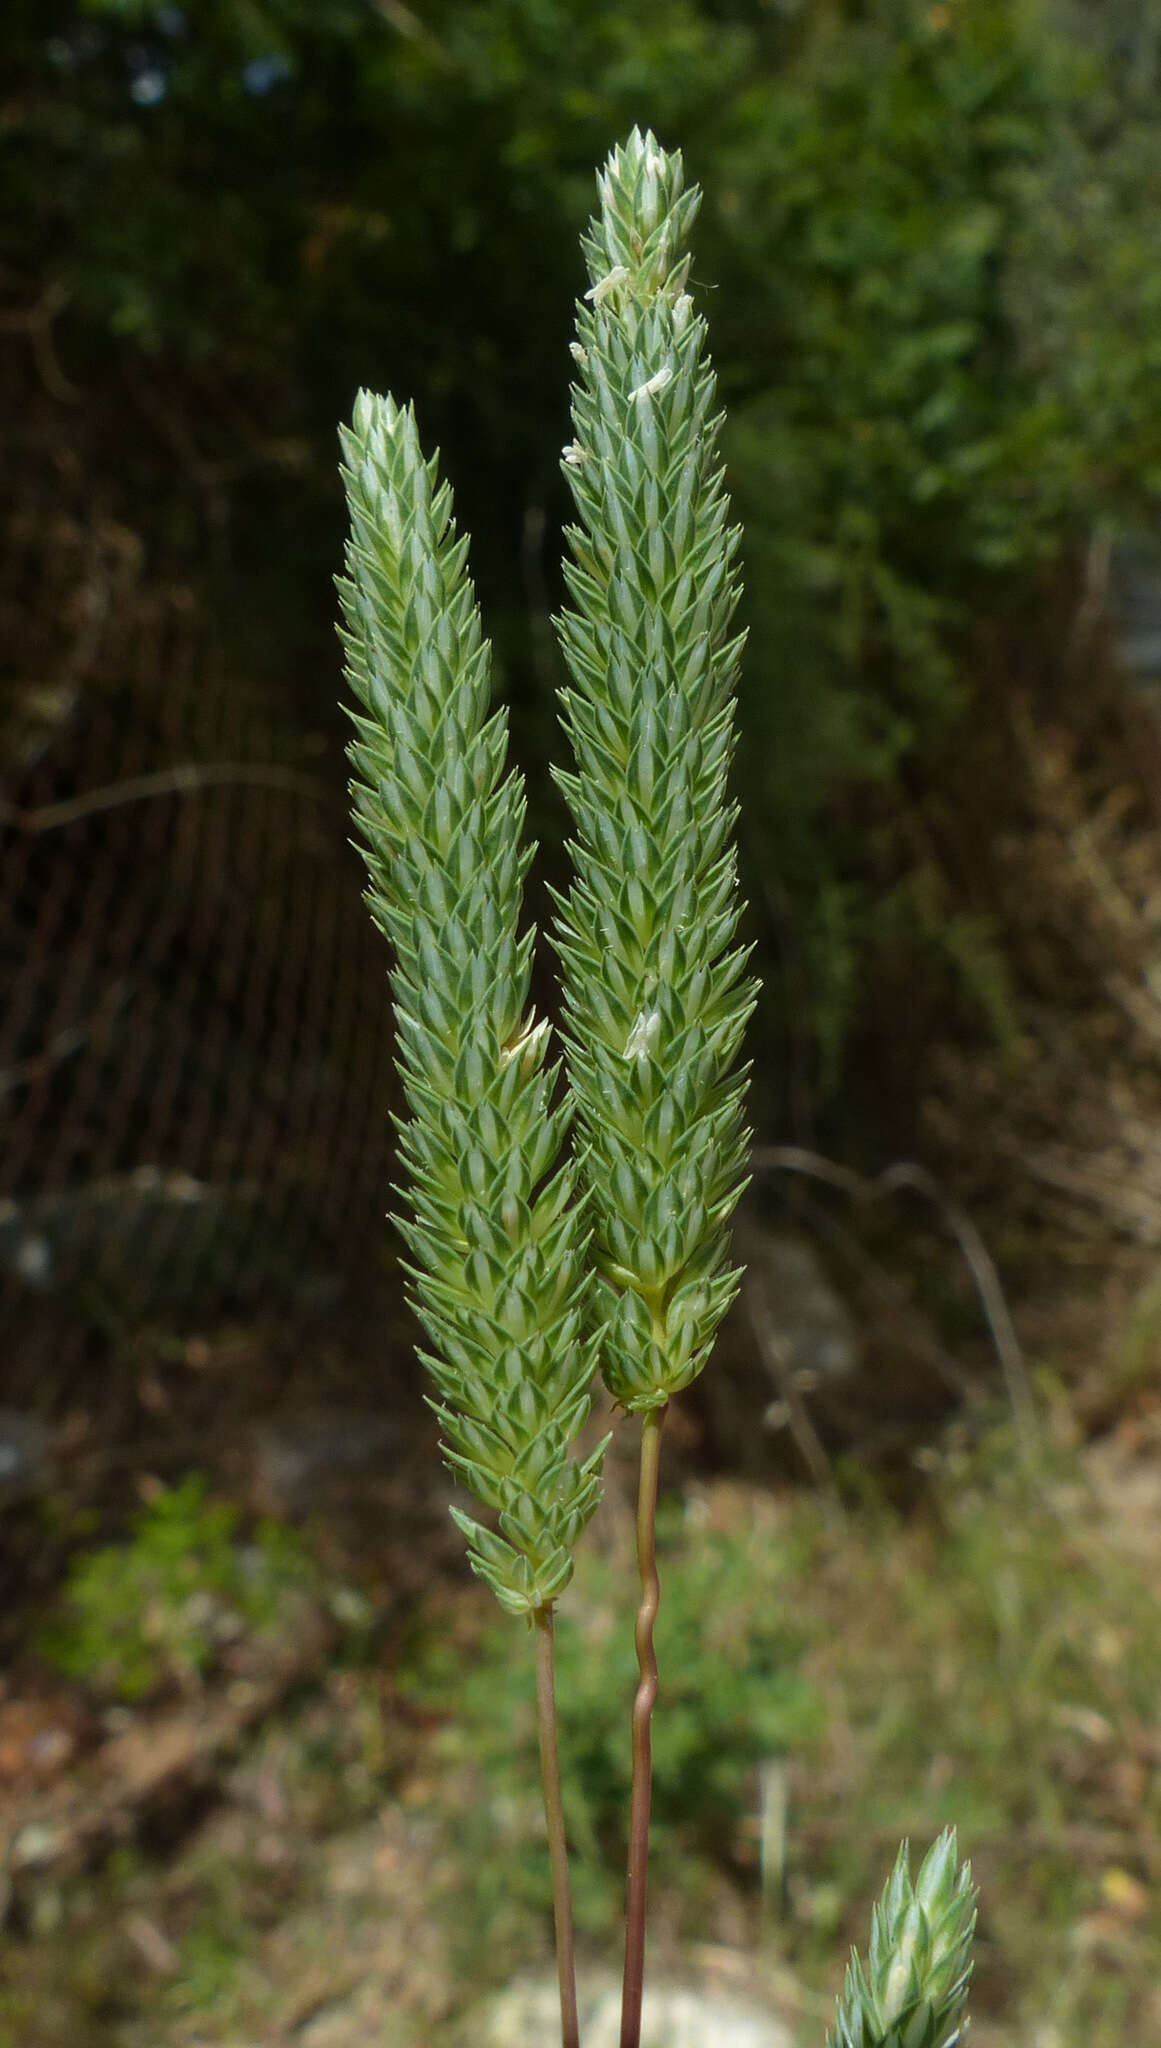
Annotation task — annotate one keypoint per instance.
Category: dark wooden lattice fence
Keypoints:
(194, 1022)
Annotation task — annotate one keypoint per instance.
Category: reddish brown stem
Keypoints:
(637, 1887)
(554, 1816)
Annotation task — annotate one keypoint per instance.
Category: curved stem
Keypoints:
(554, 1816)
(636, 1891)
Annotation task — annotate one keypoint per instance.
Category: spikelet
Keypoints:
(655, 1000)
(496, 1236)
(913, 1991)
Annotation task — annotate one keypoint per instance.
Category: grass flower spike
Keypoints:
(913, 1991)
(655, 1003)
(496, 1237)
(654, 999)
(529, 1266)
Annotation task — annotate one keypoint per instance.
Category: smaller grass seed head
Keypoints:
(913, 1991)
(489, 1211)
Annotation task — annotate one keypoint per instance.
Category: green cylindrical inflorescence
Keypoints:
(497, 1238)
(655, 997)
(913, 1992)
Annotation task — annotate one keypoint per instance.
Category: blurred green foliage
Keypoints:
(160, 1609)
(932, 232)
(933, 389)
(734, 1697)
(996, 1662)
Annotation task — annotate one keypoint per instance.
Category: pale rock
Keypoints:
(526, 2014)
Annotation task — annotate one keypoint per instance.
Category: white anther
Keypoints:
(528, 1045)
(657, 382)
(642, 1040)
(604, 285)
(574, 455)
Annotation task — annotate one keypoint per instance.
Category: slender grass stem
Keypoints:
(554, 1816)
(643, 1703)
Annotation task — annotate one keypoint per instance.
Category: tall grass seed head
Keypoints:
(655, 1003)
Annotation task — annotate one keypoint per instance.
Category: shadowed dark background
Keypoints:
(926, 250)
